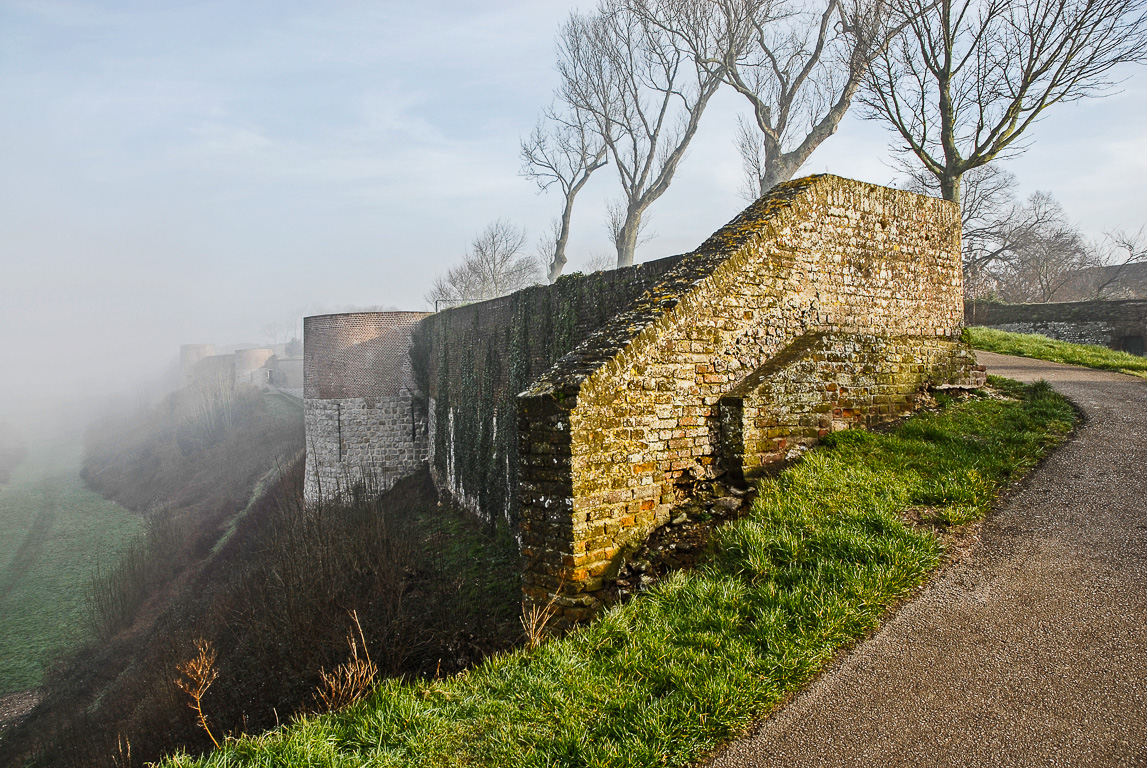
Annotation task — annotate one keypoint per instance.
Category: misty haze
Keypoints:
(181, 184)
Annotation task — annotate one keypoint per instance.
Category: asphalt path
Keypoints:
(1031, 651)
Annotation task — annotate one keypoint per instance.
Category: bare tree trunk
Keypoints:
(950, 186)
(564, 149)
(558, 263)
(626, 237)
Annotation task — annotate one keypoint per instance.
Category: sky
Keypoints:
(194, 171)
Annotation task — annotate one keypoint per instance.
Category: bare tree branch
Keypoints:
(494, 267)
(799, 67)
(631, 68)
(563, 150)
(965, 79)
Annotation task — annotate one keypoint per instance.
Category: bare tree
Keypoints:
(280, 331)
(965, 79)
(1037, 252)
(494, 267)
(1120, 250)
(799, 68)
(632, 73)
(599, 261)
(565, 150)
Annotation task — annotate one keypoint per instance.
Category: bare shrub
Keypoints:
(422, 584)
(116, 592)
(195, 677)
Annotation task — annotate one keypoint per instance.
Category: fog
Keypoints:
(204, 171)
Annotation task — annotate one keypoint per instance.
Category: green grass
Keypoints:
(665, 678)
(52, 533)
(1043, 348)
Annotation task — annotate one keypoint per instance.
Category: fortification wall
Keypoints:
(189, 357)
(576, 415)
(214, 371)
(362, 420)
(249, 366)
(287, 375)
(612, 430)
(1120, 325)
(824, 382)
(472, 362)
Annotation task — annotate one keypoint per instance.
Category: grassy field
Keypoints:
(664, 678)
(52, 533)
(1043, 348)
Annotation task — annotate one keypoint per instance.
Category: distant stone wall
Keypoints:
(363, 421)
(249, 366)
(189, 357)
(1120, 325)
(286, 375)
(611, 433)
(215, 372)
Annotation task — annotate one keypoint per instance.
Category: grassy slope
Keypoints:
(663, 679)
(1043, 348)
(52, 532)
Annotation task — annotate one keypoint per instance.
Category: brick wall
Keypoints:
(609, 432)
(824, 382)
(1120, 325)
(363, 421)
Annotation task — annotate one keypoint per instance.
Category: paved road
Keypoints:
(1030, 652)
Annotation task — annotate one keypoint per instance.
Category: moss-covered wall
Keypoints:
(472, 361)
(824, 382)
(610, 432)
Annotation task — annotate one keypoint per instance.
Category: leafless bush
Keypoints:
(195, 677)
(116, 592)
(424, 585)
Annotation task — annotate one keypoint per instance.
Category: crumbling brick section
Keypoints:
(609, 432)
(363, 419)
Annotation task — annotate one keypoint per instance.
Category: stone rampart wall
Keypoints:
(472, 362)
(363, 420)
(612, 431)
(355, 440)
(576, 415)
(1120, 325)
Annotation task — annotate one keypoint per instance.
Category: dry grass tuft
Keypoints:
(536, 619)
(351, 681)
